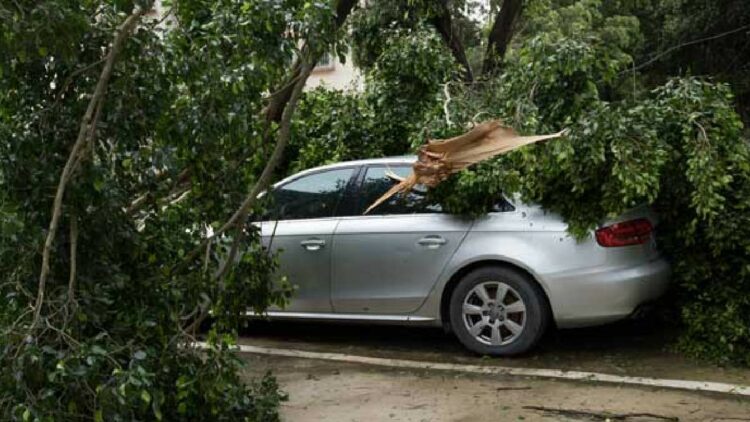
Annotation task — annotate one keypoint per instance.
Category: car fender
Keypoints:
(479, 247)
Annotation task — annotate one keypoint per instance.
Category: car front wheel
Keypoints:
(498, 311)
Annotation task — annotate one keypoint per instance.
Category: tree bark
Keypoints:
(501, 34)
(443, 23)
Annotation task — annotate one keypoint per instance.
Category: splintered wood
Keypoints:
(440, 158)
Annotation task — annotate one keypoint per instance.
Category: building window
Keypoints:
(325, 62)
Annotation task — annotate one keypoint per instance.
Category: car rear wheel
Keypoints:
(498, 311)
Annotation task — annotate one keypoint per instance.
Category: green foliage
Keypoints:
(179, 143)
(635, 136)
(693, 37)
(678, 148)
(331, 126)
(403, 87)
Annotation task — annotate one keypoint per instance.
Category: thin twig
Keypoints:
(512, 388)
(273, 236)
(229, 261)
(207, 257)
(73, 258)
(677, 47)
(69, 80)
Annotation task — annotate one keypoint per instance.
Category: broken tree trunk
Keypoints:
(440, 158)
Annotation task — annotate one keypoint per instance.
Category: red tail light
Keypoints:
(633, 232)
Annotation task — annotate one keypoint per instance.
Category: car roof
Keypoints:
(404, 159)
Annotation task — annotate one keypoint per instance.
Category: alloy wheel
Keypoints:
(494, 313)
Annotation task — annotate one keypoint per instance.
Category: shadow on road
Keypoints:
(637, 348)
(626, 336)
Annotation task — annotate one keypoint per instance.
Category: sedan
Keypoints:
(498, 282)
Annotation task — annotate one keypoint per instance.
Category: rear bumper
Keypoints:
(603, 294)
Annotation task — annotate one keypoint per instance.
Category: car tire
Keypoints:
(498, 328)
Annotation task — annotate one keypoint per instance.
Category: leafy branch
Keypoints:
(86, 135)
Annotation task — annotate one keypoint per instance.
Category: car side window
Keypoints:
(376, 182)
(313, 196)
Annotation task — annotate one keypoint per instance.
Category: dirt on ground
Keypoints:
(333, 391)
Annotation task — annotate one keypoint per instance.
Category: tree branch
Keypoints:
(280, 98)
(501, 34)
(443, 23)
(446, 110)
(73, 257)
(238, 219)
(85, 135)
(679, 46)
(602, 416)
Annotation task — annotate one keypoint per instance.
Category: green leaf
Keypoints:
(98, 350)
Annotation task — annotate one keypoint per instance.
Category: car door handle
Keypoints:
(313, 244)
(432, 242)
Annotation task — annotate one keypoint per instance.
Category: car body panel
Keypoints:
(390, 263)
(308, 270)
(378, 274)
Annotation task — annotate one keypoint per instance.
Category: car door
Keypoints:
(300, 227)
(386, 262)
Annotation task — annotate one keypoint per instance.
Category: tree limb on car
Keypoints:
(440, 158)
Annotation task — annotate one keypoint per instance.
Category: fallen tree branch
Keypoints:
(440, 158)
(284, 132)
(512, 388)
(85, 135)
(265, 178)
(598, 416)
(237, 220)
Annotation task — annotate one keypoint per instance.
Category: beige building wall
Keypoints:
(331, 74)
(336, 75)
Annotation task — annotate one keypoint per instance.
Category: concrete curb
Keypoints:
(702, 386)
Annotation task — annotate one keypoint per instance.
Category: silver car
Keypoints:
(497, 282)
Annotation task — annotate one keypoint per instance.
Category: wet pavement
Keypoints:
(329, 391)
(632, 348)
